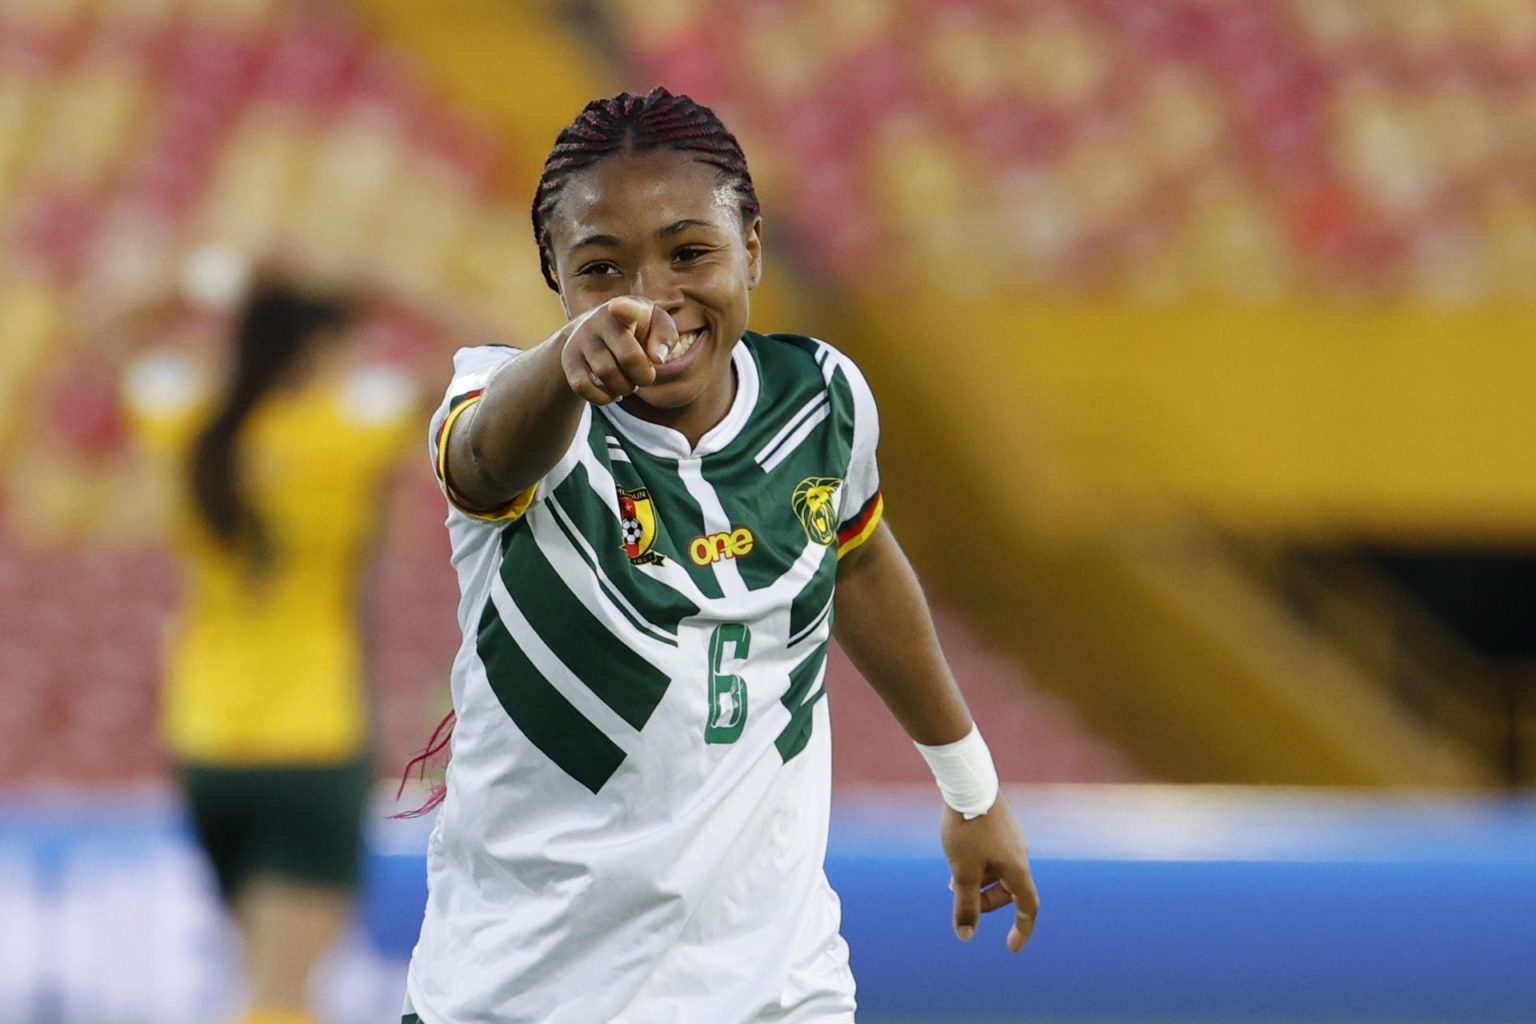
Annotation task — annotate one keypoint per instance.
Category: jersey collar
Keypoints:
(668, 443)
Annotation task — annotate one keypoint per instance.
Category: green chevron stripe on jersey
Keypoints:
(626, 608)
(802, 677)
(765, 508)
(825, 452)
(550, 722)
(793, 403)
(614, 672)
(582, 516)
(787, 435)
(794, 432)
(841, 441)
(814, 602)
(790, 381)
(679, 518)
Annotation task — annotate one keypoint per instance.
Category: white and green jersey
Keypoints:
(637, 805)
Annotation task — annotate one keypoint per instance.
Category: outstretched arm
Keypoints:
(525, 420)
(884, 625)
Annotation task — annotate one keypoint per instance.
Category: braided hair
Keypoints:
(627, 123)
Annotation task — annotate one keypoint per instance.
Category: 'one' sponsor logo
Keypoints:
(712, 547)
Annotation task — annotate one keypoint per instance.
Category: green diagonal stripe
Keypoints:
(620, 678)
(791, 378)
(797, 733)
(620, 600)
(841, 420)
(679, 518)
(577, 503)
(550, 722)
(812, 603)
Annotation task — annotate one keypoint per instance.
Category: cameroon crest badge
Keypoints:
(813, 505)
(637, 523)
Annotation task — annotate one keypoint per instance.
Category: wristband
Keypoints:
(965, 773)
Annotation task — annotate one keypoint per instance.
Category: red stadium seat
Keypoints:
(309, 67)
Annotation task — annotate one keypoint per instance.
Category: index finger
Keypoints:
(633, 312)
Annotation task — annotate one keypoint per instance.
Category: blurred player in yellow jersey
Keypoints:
(281, 470)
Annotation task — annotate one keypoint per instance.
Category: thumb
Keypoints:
(661, 337)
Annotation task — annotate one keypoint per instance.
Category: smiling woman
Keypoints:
(656, 516)
(656, 225)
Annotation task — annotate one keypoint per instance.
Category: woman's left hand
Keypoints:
(989, 862)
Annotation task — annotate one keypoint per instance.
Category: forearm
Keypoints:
(517, 431)
(884, 625)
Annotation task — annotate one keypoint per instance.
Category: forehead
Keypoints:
(640, 192)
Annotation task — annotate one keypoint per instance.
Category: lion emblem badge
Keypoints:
(814, 507)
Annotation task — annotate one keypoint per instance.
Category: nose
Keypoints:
(657, 281)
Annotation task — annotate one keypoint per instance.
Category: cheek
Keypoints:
(584, 293)
(726, 287)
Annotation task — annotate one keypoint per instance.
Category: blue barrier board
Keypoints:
(1162, 904)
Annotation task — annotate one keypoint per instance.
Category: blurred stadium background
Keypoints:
(1205, 333)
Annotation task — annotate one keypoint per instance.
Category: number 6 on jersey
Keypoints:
(727, 693)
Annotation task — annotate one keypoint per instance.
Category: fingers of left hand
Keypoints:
(993, 896)
(996, 893)
(1021, 893)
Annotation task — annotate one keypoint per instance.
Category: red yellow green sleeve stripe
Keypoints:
(861, 526)
(514, 508)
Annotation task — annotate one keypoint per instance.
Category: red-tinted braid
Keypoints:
(627, 123)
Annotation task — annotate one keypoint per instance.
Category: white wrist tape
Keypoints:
(965, 773)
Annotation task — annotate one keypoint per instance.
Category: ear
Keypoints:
(754, 243)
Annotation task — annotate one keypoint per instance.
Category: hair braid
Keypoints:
(628, 123)
(278, 325)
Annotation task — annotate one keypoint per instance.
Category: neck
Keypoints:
(693, 420)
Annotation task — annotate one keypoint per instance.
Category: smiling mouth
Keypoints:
(683, 343)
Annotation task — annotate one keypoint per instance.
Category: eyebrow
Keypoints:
(596, 240)
(682, 225)
(671, 229)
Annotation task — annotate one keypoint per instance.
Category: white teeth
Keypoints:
(683, 343)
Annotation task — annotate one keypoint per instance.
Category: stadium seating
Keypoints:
(1134, 146)
(144, 130)
(141, 131)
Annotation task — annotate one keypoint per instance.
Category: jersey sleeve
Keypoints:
(379, 407)
(861, 505)
(163, 395)
(472, 370)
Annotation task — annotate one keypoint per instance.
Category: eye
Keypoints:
(597, 268)
(690, 253)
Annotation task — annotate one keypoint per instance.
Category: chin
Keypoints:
(676, 394)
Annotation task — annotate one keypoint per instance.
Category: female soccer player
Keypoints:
(265, 706)
(656, 517)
